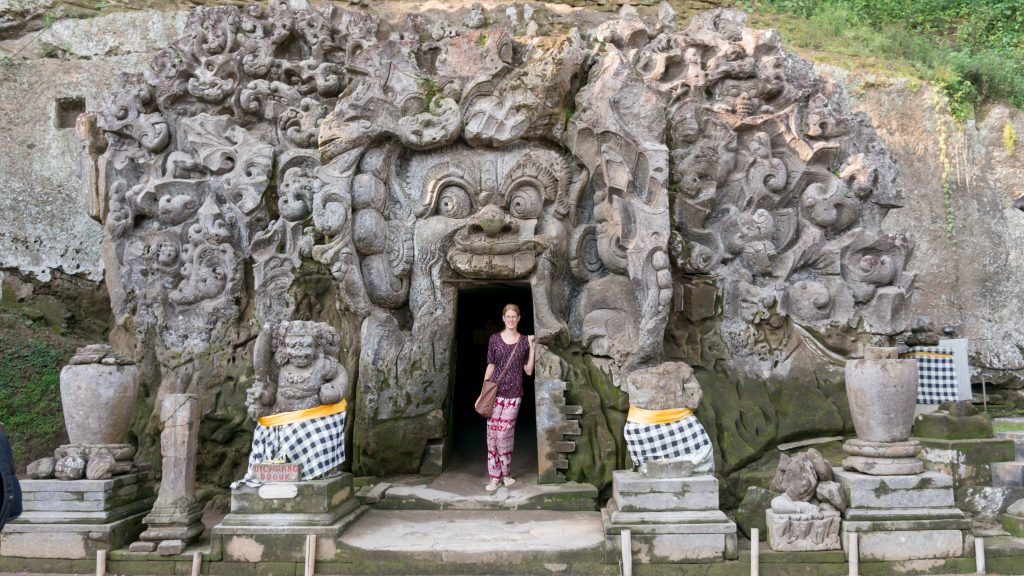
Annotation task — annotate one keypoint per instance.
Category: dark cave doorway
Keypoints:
(477, 316)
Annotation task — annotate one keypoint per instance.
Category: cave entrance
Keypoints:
(477, 316)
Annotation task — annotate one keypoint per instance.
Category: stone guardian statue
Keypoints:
(298, 400)
(661, 425)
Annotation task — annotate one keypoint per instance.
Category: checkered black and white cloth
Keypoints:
(670, 441)
(317, 445)
(936, 374)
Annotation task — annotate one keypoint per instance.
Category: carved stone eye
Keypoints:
(525, 202)
(454, 203)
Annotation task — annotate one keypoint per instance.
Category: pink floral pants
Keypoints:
(501, 435)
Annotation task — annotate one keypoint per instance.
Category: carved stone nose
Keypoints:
(494, 221)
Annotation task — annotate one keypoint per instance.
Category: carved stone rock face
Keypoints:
(285, 161)
(496, 201)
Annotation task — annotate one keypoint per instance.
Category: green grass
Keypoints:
(30, 396)
(972, 49)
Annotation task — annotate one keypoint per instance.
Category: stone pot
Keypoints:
(882, 394)
(99, 401)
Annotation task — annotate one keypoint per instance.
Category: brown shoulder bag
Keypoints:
(484, 404)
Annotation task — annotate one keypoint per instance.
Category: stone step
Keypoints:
(1018, 441)
(458, 491)
(1008, 424)
(1009, 474)
(468, 536)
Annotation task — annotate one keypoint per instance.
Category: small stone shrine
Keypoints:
(807, 515)
(89, 496)
(899, 511)
(670, 502)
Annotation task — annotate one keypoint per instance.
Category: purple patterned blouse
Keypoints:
(511, 386)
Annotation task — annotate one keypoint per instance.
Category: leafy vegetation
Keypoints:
(973, 49)
(30, 395)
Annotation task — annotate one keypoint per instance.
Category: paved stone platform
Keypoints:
(1004, 554)
(462, 491)
(474, 535)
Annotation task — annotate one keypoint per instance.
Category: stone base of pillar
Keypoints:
(270, 522)
(671, 520)
(904, 517)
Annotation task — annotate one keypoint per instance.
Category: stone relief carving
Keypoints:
(276, 144)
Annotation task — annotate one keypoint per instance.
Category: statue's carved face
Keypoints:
(301, 348)
(492, 199)
(741, 97)
(167, 254)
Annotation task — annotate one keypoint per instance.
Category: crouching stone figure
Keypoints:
(661, 425)
(298, 399)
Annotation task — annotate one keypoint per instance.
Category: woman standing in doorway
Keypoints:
(509, 357)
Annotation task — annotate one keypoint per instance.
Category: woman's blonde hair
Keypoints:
(512, 307)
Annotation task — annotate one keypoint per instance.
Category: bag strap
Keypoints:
(510, 356)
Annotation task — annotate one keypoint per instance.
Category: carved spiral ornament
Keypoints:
(584, 260)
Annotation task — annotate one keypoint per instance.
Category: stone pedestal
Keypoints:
(883, 458)
(270, 522)
(671, 519)
(75, 518)
(905, 517)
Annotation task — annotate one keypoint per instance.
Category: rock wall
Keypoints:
(961, 182)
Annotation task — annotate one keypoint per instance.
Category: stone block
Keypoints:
(170, 547)
(1008, 474)
(671, 536)
(946, 426)
(634, 492)
(309, 497)
(906, 519)
(751, 511)
(280, 539)
(925, 490)
(908, 544)
(969, 462)
(1014, 525)
(142, 547)
(986, 503)
(69, 540)
(676, 548)
(1018, 441)
(433, 459)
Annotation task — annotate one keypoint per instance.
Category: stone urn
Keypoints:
(883, 392)
(98, 390)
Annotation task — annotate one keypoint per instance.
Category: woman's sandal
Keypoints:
(509, 481)
(492, 485)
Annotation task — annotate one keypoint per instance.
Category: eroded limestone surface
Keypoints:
(696, 195)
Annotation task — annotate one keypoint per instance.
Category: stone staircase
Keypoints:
(1010, 474)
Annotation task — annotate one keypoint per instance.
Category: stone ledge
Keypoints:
(910, 544)
(68, 541)
(925, 490)
(82, 486)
